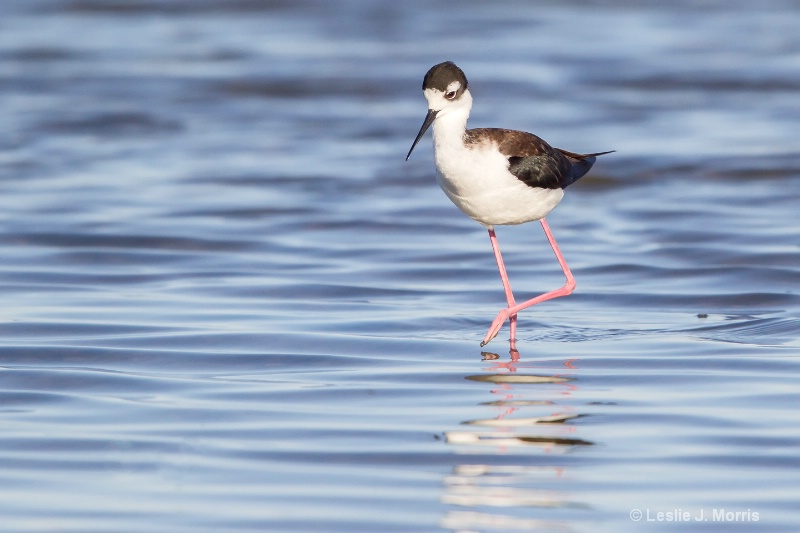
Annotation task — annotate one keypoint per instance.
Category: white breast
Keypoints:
(477, 180)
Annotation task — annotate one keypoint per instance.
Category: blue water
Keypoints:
(229, 304)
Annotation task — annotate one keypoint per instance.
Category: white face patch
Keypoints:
(435, 99)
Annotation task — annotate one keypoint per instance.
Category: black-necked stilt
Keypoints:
(496, 176)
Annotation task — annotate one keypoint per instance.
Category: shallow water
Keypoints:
(230, 305)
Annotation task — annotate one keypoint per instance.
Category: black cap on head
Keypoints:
(442, 75)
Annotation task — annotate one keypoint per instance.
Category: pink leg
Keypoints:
(512, 310)
(506, 285)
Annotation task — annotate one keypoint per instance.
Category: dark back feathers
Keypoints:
(532, 160)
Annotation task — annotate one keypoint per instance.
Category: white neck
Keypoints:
(451, 123)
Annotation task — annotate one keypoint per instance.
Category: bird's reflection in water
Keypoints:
(531, 417)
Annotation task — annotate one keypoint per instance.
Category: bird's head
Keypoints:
(446, 89)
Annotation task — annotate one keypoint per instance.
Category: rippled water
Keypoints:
(230, 305)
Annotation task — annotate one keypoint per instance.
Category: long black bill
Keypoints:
(425, 125)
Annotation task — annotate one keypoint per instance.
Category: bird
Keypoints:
(497, 176)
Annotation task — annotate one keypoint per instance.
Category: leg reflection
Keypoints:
(532, 413)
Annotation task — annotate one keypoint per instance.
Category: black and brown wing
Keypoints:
(532, 160)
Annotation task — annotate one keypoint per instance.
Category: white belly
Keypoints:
(479, 183)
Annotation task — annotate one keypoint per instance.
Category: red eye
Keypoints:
(450, 95)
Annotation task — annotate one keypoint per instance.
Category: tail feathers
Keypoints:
(573, 155)
(581, 163)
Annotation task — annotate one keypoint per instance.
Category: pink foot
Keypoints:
(494, 329)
